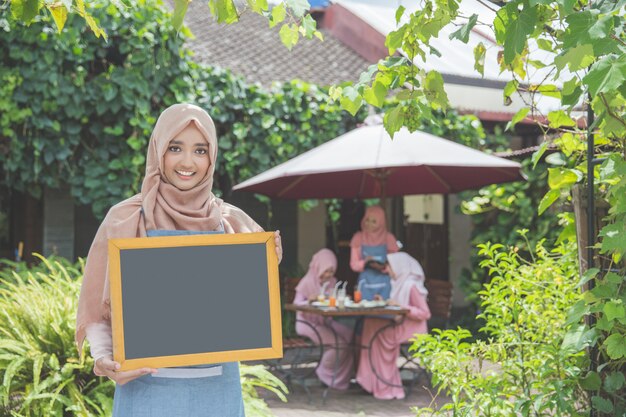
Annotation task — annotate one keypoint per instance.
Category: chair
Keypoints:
(439, 302)
(301, 355)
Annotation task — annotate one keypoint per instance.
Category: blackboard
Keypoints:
(197, 299)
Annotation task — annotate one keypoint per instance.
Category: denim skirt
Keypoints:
(169, 395)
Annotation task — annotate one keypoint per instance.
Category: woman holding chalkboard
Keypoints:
(175, 199)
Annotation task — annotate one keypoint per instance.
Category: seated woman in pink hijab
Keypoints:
(407, 290)
(322, 270)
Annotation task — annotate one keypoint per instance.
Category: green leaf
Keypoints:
(568, 143)
(59, 14)
(479, 58)
(578, 25)
(614, 310)
(278, 15)
(224, 11)
(394, 39)
(614, 381)
(510, 88)
(591, 381)
(37, 366)
(393, 120)
(375, 95)
(559, 118)
(571, 92)
(299, 7)
(309, 25)
(613, 238)
(606, 75)
(351, 100)
(463, 33)
(517, 33)
(602, 27)
(501, 22)
(548, 90)
(545, 45)
(539, 153)
(93, 25)
(24, 10)
(258, 6)
(519, 116)
(615, 346)
(399, 12)
(577, 58)
(602, 404)
(180, 10)
(576, 313)
(560, 178)
(547, 200)
(289, 35)
(434, 91)
(366, 76)
(578, 339)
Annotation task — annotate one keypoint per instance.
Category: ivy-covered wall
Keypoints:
(79, 111)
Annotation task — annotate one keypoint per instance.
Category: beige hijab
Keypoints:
(164, 207)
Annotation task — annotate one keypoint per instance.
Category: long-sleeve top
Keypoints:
(418, 309)
(315, 319)
(357, 263)
(100, 337)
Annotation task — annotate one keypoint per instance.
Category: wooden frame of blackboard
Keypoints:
(117, 317)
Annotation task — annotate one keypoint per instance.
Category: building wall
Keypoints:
(311, 233)
(58, 223)
(355, 33)
(460, 248)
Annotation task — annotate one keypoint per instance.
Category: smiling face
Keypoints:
(371, 223)
(186, 159)
(327, 275)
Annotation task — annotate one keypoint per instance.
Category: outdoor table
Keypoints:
(361, 312)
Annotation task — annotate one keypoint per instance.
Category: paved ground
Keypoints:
(351, 403)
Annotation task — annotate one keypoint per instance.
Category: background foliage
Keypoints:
(39, 366)
(499, 211)
(79, 111)
(524, 367)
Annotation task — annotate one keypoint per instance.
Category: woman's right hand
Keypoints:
(109, 368)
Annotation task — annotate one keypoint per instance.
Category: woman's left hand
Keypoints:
(279, 245)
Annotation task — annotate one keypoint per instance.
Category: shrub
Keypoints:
(522, 368)
(39, 365)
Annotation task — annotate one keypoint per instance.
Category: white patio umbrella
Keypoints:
(367, 163)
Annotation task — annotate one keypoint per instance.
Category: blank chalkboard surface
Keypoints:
(189, 300)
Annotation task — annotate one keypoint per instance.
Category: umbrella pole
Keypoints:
(382, 181)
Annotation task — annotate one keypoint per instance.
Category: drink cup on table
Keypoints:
(332, 301)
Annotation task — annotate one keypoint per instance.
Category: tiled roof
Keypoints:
(249, 48)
